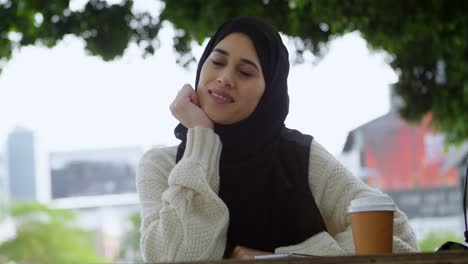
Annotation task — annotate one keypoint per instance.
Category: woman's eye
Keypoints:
(217, 63)
(246, 74)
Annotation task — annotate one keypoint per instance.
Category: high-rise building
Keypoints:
(3, 174)
(3, 183)
(21, 165)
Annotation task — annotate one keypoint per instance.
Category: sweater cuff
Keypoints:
(203, 144)
(321, 244)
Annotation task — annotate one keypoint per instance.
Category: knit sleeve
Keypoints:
(333, 187)
(183, 219)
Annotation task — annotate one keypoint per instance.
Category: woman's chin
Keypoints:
(220, 121)
(223, 119)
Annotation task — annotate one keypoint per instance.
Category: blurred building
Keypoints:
(21, 165)
(3, 183)
(94, 172)
(3, 173)
(98, 185)
(409, 162)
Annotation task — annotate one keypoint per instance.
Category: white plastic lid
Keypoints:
(374, 203)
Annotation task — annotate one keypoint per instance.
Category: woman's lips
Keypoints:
(220, 97)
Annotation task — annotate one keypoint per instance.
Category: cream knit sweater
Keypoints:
(183, 219)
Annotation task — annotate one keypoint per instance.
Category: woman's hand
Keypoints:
(240, 252)
(186, 109)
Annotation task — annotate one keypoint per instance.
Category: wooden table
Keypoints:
(453, 257)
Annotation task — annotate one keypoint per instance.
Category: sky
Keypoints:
(73, 101)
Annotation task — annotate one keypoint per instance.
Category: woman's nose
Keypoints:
(225, 79)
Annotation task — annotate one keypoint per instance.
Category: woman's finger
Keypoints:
(194, 98)
(186, 109)
(187, 93)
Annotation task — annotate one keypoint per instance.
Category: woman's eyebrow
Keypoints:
(247, 61)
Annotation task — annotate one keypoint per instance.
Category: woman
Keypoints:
(240, 183)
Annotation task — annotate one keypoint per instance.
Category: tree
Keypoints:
(433, 240)
(426, 39)
(44, 235)
(130, 247)
(106, 29)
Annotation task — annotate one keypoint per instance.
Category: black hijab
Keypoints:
(263, 165)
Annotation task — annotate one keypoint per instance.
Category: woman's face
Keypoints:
(231, 80)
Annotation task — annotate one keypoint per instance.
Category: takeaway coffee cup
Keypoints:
(372, 224)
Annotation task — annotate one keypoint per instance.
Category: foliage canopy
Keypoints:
(45, 235)
(426, 39)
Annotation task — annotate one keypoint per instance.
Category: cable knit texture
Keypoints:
(183, 219)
